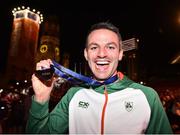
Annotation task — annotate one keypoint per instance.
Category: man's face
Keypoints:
(103, 53)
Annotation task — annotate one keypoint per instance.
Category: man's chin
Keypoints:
(101, 79)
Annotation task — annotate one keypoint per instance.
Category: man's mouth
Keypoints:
(102, 65)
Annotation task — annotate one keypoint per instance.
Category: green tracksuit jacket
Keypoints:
(120, 107)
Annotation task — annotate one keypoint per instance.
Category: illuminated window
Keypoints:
(32, 16)
(19, 15)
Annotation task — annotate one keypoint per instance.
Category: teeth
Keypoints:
(102, 62)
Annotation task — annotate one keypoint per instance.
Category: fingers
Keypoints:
(34, 78)
(43, 64)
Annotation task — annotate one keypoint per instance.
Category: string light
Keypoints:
(23, 8)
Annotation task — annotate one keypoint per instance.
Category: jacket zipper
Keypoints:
(104, 110)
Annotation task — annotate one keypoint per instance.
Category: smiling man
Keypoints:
(118, 106)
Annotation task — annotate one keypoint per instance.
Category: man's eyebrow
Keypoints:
(92, 44)
(112, 43)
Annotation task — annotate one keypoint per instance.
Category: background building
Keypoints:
(49, 40)
(23, 45)
(129, 64)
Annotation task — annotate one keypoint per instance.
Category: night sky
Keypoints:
(153, 22)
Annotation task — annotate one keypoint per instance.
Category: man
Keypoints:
(119, 106)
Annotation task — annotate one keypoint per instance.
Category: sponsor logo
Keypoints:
(83, 104)
(128, 106)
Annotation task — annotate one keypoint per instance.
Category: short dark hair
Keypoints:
(105, 25)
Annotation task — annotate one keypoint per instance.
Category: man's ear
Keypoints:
(120, 54)
(85, 54)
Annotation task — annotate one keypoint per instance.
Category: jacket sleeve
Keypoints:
(159, 123)
(41, 121)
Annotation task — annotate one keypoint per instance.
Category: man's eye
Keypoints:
(93, 48)
(111, 47)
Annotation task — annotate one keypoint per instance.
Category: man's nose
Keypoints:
(102, 52)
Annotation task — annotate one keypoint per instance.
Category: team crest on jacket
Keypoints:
(128, 106)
